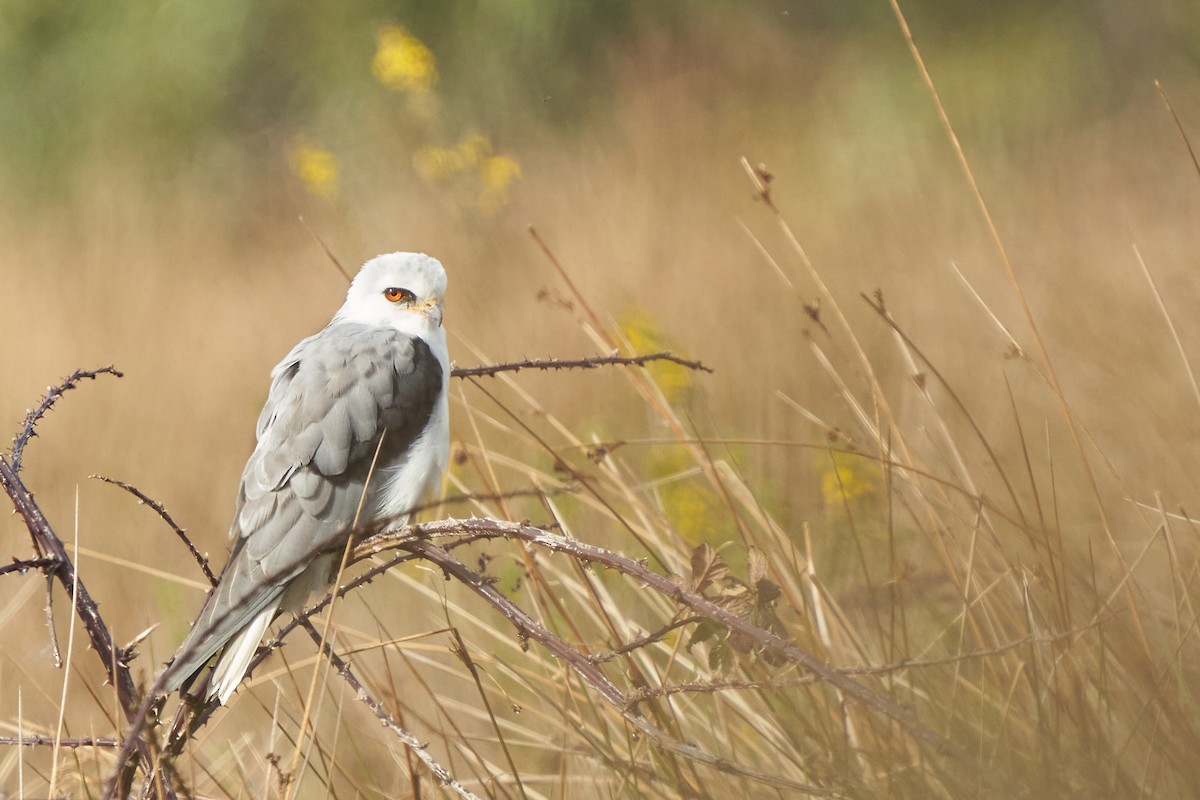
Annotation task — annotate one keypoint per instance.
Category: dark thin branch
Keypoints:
(325, 247)
(578, 363)
(638, 644)
(185, 725)
(528, 628)
(709, 687)
(49, 546)
(879, 308)
(1162, 92)
(23, 566)
(460, 649)
(49, 741)
(158, 508)
(415, 745)
(52, 395)
(47, 541)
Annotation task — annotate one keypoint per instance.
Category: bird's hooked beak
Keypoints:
(433, 311)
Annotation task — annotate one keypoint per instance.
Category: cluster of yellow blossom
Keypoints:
(317, 169)
(403, 63)
(472, 155)
(845, 478)
(644, 336)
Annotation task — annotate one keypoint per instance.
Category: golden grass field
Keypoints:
(1013, 524)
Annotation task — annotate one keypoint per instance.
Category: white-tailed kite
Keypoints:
(379, 369)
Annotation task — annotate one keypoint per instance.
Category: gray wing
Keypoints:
(330, 400)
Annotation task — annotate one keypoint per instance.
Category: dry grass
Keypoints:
(1027, 593)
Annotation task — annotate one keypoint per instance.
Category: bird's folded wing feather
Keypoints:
(329, 402)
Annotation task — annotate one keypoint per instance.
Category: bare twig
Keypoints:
(598, 326)
(52, 395)
(637, 644)
(48, 741)
(23, 566)
(1178, 125)
(528, 628)
(325, 247)
(460, 649)
(710, 687)
(381, 713)
(158, 508)
(47, 541)
(577, 363)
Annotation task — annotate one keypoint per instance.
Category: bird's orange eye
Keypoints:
(395, 294)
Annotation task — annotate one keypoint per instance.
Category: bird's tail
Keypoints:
(235, 659)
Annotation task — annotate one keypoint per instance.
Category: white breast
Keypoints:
(419, 471)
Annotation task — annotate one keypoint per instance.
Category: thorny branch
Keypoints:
(528, 628)
(47, 542)
(414, 541)
(158, 508)
(26, 565)
(194, 715)
(52, 395)
(586, 554)
(547, 364)
(50, 741)
(51, 549)
(381, 713)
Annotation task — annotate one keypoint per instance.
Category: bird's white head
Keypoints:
(404, 291)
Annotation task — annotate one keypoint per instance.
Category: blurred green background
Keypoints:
(162, 165)
(161, 88)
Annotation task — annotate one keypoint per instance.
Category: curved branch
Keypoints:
(586, 553)
(528, 628)
(159, 509)
(52, 395)
(47, 541)
(419, 748)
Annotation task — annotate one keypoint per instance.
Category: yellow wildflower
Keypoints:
(317, 169)
(689, 503)
(402, 62)
(473, 148)
(440, 163)
(644, 337)
(845, 479)
(496, 174)
(437, 163)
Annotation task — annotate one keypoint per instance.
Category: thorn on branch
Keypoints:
(24, 565)
(52, 394)
(49, 545)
